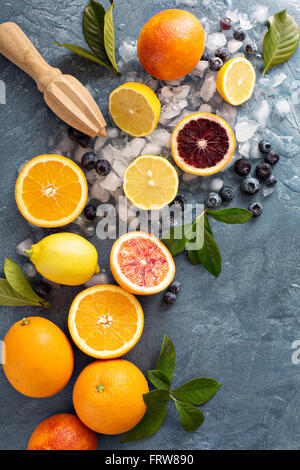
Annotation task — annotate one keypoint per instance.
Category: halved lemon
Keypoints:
(135, 108)
(105, 321)
(150, 182)
(236, 81)
(202, 144)
(141, 263)
(51, 191)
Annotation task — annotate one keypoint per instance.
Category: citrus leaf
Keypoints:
(177, 238)
(152, 420)
(109, 36)
(197, 391)
(210, 255)
(190, 416)
(93, 29)
(166, 360)
(233, 215)
(10, 298)
(82, 52)
(19, 283)
(159, 379)
(280, 41)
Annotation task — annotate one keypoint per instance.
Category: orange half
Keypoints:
(141, 263)
(105, 321)
(51, 191)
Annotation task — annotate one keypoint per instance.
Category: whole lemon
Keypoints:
(37, 357)
(65, 258)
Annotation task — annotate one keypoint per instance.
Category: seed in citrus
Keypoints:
(141, 263)
(171, 44)
(37, 357)
(150, 182)
(63, 431)
(105, 321)
(108, 396)
(135, 108)
(51, 191)
(202, 144)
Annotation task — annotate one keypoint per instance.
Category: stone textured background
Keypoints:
(238, 329)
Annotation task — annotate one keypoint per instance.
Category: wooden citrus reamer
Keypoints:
(64, 94)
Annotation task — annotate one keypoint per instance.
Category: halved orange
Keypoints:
(202, 144)
(141, 263)
(105, 321)
(51, 191)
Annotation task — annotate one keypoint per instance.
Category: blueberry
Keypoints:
(242, 167)
(264, 146)
(271, 181)
(213, 200)
(272, 157)
(174, 287)
(215, 63)
(205, 55)
(79, 137)
(223, 53)
(90, 211)
(227, 193)
(169, 297)
(251, 48)
(239, 34)
(178, 201)
(41, 288)
(88, 160)
(103, 167)
(256, 208)
(263, 171)
(226, 24)
(250, 185)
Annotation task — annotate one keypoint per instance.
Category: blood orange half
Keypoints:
(141, 263)
(202, 144)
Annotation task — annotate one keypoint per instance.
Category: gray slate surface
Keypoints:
(237, 329)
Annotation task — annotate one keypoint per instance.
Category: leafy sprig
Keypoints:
(16, 290)
(99, 33)
(206, 251)
(186, 397)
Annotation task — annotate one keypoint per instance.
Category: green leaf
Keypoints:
(93, 30)
(280, 41)
(233, 215)
(193, 254)
(10, 298)
(190, 416)
(177, 238)
(19, 283)
(197, 391)
(159, 379)
(109, 35)
(166, 360)
(83, 53)
(210, 255)
(153, 419)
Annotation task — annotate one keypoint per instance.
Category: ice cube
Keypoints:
(109, 153)
(244, 149)
(97, 280)
(245, 23)
(188, 177)
(260, 13)
(112, 133)
(205, 108)
(153, 84)
(267, 191)
(181, 92)
(208, 87)
(152, 149)
(278, 79)
(119, 167)
(79, 152)
(216, 184)
(262, 113)
(245, 129)
(194, 99)
(160, 137)
(234, 15)
(99, 192)
(174, 82)
(91, 176)
(133, 148)
(200, 69)
(111, 182)
(254, 150)
(99, 142)
(185, 113)
(227, 112)
(24, 245)
(215, 40)
(89, 231)
(169, 111)
(234, 45)
(283, 107)
(30, 270)
(127, 50)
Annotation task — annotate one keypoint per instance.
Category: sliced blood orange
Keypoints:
(202, 144)
(105, 321)
(141, 263)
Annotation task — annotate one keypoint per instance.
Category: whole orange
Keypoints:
(171, 44)
(62, 432)
(108, 396)
(37, 357)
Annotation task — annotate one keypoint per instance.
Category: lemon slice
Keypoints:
(236, 80)
(135, 109)
(150, 182)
